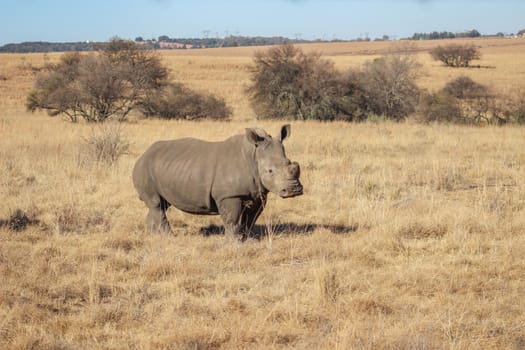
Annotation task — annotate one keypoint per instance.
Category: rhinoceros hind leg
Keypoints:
(157, 222)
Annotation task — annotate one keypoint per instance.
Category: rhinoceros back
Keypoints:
(179, 171)
(194, 175)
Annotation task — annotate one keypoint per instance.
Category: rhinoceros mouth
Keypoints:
(296, 189)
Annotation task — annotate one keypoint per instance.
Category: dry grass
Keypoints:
(408, 236)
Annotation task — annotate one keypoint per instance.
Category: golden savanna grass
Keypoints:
(407, 236)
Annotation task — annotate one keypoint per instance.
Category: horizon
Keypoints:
(98, 21)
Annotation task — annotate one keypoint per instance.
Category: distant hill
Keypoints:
(42, 46)
(164, 42)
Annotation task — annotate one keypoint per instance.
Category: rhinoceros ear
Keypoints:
(253, 136)
(286, 131)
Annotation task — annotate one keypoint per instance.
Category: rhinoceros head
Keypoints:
(278, 174)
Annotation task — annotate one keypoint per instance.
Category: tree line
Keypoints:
(42, 46)
(446, 35)
(151, 44)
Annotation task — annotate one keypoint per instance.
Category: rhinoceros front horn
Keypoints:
(294, 171)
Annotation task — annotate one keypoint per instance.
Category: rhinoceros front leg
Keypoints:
(230, 210)
(252, 209)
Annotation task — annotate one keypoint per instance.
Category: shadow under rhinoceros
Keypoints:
(261, 231)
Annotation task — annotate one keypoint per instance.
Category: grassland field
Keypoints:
(408, 236)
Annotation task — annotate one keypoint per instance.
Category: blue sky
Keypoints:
(99, 20)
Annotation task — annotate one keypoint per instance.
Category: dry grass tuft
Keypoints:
(371, 307)
(328, 284)
(417, 230)
(105, 146)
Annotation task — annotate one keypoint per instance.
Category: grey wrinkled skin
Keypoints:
(231, 178)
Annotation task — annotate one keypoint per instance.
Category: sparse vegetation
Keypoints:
(409, 236)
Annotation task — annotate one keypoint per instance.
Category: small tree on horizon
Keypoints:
(455, 55)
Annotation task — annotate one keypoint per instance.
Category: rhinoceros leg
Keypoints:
(230, 210)
(156, 220)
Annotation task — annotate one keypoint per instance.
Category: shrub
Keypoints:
(288, 83)
(439, 107)
(477, 101)
(464, 87)
(455, 55)
(390, 85)
(98, 86)
(179, 102)
(350, 101)
(278, 85)
(463, 100)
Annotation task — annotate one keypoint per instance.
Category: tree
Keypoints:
(110, 83)
(455, 55)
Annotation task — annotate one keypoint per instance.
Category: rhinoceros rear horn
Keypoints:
(286, 131)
